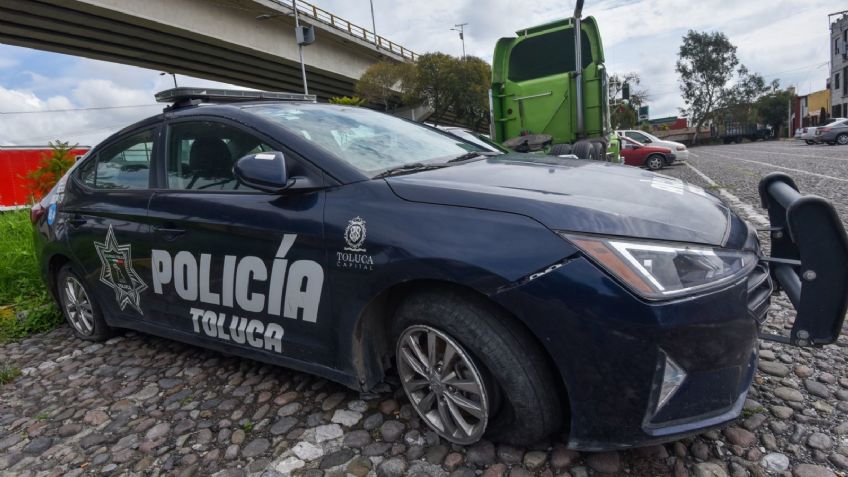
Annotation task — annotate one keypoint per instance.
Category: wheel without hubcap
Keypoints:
(77, 306)
(655, 163)
(443, 384)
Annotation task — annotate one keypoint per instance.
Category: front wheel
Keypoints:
(842, 139)
(655, 162)
(79, 307)
(468, 371)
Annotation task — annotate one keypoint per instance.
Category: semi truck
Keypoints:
(550, 81)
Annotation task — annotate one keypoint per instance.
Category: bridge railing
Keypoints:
(308, 10)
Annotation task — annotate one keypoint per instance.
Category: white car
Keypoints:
(808, 134)
(680, 151)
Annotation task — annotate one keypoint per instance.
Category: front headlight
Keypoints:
(663, 270)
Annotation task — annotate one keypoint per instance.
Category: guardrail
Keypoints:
(314, 13)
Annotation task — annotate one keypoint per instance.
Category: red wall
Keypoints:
(14, 165)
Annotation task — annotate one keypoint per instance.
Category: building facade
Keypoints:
(839, 65)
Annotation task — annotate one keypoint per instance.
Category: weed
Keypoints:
(42, 415)
(186, 400)
(247, 426)
(8, 374)
(25, 304)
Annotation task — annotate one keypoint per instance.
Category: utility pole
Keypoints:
(374, 26)
(300, 47)
(461, 29)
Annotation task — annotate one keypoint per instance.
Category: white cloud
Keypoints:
(779, 38)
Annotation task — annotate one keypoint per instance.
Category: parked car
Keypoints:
(834, 133)
(641, 155)
(516, 295)
(681, 153)
(809, 135)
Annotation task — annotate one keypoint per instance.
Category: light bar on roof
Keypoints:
(215, 95)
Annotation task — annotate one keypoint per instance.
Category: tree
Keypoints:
(347, 101)
(638, 96)
(469, 92)
(738, 102)
(705, 63)
(385, 83)
(434, 83)
(623, 116)
(773, 108)
(52, 167)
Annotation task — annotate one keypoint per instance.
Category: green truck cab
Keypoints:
(537, 89)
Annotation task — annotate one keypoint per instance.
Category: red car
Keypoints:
(637, 154)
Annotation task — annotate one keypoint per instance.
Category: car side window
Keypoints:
(201, 155)
(636, 136)
(122, 165)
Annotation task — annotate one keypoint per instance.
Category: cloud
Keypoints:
(777, 38)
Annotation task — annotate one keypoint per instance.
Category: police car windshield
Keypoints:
(367, 140)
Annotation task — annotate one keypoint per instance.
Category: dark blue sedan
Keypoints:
(514, 295)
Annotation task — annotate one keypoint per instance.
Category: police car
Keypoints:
(516, 296)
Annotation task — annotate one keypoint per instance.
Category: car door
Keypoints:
(632, 152)
(233, 266)
(638, 137)
(105, 217)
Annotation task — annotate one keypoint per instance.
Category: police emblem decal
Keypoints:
(355, 234)
(117, 272)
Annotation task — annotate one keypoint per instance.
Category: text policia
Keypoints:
(293, 291)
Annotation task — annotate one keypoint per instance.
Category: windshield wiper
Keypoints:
(406, 168)
(467, 156)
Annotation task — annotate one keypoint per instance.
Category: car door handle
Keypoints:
(171, 231)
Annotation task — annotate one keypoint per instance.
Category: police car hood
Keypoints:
(579, 196)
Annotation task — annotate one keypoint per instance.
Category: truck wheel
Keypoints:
(842, 139)
(599, 152)
(79, 307)
(582, 149)
(560, 150)
(655, 162)
(469, 371)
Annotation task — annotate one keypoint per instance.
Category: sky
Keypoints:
(785, 40)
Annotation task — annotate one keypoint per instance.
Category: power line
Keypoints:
(69, 110)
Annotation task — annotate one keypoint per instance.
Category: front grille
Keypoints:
(759, 292)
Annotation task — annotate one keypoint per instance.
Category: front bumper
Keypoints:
(682, 155)
(609, 347)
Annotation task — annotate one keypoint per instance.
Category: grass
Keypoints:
(247, 426)
(8, 374)
(25, 305)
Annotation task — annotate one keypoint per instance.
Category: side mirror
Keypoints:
(265, 171)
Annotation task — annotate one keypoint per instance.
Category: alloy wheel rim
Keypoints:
(78, 307)
(842, 139)
(655, 163)
(443, 384)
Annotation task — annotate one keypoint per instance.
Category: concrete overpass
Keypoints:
(219, 40)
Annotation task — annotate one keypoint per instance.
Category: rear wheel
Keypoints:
(809, 143)
(560, 150)
(598, 151)
(470, 371)
(79, 307)
(655, 162)
(842, 139)
(582, 149)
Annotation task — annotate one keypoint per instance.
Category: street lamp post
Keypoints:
(301, 37)
(461, 29)
(374, 26)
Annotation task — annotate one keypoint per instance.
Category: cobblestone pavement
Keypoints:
(139, 405)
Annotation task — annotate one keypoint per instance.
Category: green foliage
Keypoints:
(386, 83)
(434, 82)
(623, 116)
(247, 426)
(347, 101)
(773, 108)
(53, 166)
(469, 91)
(738, 102)
(8, 374)
(25, 305)
(638, 96)
(705, 63)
